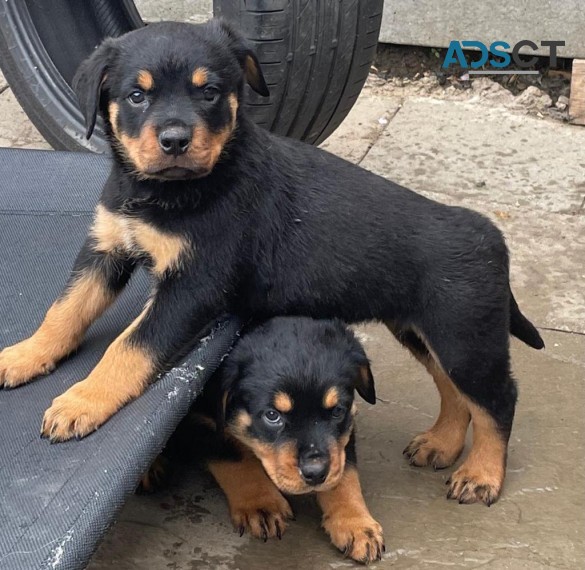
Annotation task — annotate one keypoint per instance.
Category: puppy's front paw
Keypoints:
(358, 536)
(23, 362)
(472, 484)
(429, 448)
(264, 516)
(76, 413)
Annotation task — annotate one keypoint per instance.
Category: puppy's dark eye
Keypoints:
(210, 93)
(272, 417)
(338, 412)
(136, 97)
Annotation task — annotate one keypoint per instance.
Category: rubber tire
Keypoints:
(41, 45)
(315, 55)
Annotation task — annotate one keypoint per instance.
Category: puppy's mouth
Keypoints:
(178, 173)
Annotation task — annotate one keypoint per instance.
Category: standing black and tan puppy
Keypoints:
(231, 218)
(278, 419)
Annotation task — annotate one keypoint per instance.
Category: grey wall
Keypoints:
(436, 22)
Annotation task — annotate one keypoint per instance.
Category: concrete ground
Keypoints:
(526, 174)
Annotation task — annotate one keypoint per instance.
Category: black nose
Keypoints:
(175, 140)
(314, 467)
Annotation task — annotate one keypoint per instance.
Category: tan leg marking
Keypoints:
(255, 504)
(441, 445)
(481, 477)
(120, 376)
(60, 333)
(348, 522)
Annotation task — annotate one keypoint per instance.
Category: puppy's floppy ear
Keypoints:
(365, 384)
(246, 57)
(228, 375)
(89, 80)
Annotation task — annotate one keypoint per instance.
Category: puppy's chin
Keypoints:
(177, 173)
(297, 486)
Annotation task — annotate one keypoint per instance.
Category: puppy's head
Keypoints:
(288, 395)
(169, 95)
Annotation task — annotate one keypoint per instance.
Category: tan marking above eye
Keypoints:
(199, 77)
(145, 80)
(283, 402)
(331, 398)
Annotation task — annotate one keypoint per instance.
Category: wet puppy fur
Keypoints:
(231, 218)
(279, 418)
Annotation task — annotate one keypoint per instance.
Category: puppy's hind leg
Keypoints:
(440, 445)
(478, 366)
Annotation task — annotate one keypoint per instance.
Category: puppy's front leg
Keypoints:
(96, 279)
(255, 503)
(348, 522)
(176, 313)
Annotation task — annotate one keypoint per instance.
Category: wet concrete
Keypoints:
(538, 522)
(528, 175)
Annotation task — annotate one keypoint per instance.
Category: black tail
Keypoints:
(522, 328)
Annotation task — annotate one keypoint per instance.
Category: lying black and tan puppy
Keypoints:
(277, 419)
(231, 218)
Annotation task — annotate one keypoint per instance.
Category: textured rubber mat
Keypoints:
(56, 501)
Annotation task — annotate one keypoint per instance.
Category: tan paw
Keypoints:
(263, 516)
(475, 485)
(359, 537)
(433, 449)
(23, 362)
(76, 413)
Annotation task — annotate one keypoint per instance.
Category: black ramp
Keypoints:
(56, 501)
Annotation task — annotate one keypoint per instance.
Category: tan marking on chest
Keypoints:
(117, 232)
(164, 249)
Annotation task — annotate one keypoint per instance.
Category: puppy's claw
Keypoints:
(278, 531)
